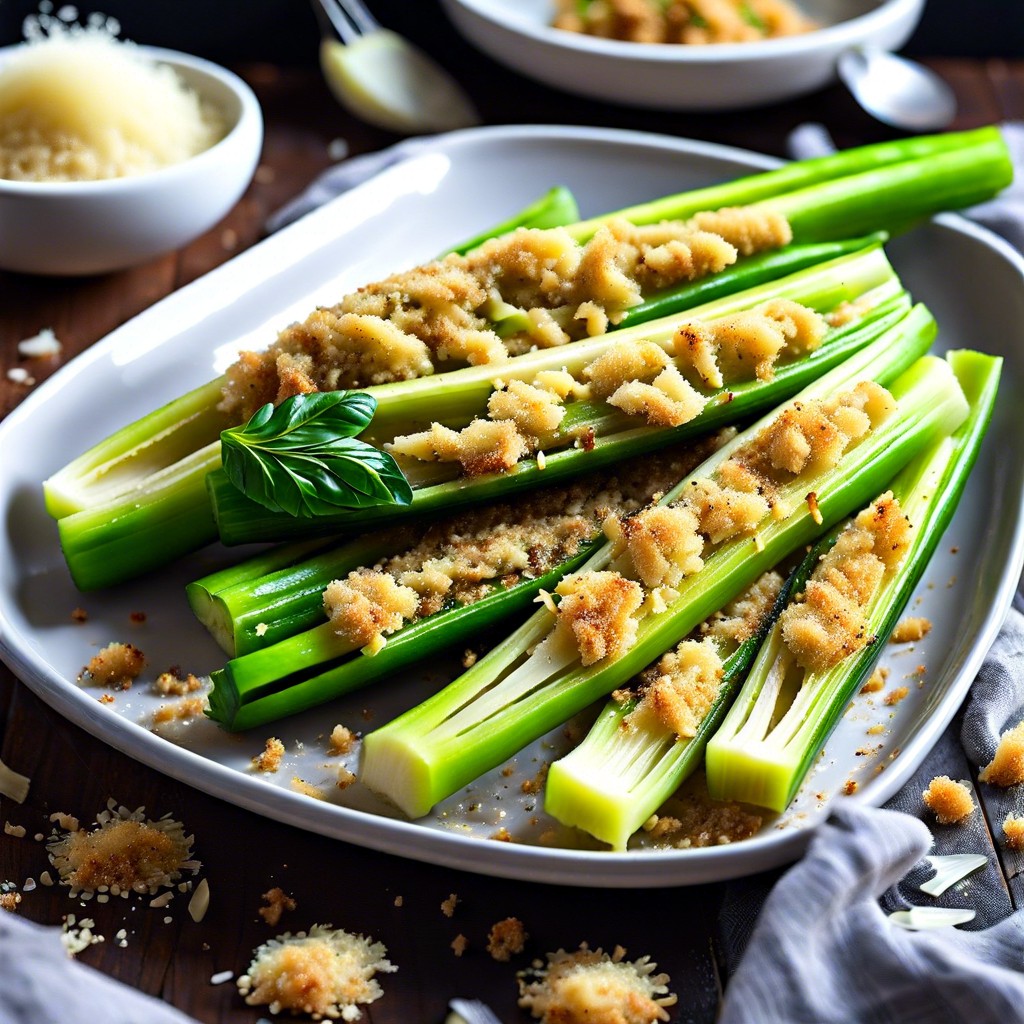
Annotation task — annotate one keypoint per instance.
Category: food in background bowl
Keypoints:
(78, 105)
(695, 22)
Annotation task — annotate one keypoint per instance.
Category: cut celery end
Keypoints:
(170, 517)
(458, 745)
(123, 463)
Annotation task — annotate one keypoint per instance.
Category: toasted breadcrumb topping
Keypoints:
(126, 852)
(680, 689)
(591, 987)
(894, 696)
(456, 562)
(663, 543)
(949, 801)
(693, 22)
(9, 901)
(326, 973)
(1013, 831)
(277, 902)
(117, 666)
(910, 630)
(270, 758)
(485, 446)
(173, 684)
(740, 619)
(690, 819)
(342, 741)
(459, 944)
(506, 939)
(180, 711)
(747, 344)
(1007, 765)
(597, 613)
(877, 680)
(448, 906)
(829, 621)
(413, 323)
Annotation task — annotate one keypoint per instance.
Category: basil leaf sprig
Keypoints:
(303, 457)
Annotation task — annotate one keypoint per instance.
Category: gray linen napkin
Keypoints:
(42, 985)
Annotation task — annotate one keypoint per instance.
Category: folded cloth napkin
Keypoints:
(43, 985)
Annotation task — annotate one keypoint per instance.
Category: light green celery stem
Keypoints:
(480, 719)
(171, 515)
(621, 774)
(157, 440)
(556, 208)
(259, 602)
(896, 196)
(983, 144)
(783, 715)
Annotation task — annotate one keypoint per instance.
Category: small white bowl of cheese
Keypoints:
(141, 156)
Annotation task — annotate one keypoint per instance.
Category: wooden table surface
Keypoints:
(243, 854)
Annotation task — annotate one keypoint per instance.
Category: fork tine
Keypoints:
(332, 19)
(360, 15)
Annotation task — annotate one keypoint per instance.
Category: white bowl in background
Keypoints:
(664, 76)
(91, 227)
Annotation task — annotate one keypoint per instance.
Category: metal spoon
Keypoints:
(896, 91)
(382, 78)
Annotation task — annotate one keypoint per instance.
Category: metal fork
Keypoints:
(350, 19)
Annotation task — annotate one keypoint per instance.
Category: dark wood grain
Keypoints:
(244, 854)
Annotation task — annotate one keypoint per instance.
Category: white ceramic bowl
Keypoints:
(677, 77)
(92, 227)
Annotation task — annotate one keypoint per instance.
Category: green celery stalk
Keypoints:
(767, 743)
(556, 208)
(617, 777)
(511, 697)
(313, 667)
(241, 520)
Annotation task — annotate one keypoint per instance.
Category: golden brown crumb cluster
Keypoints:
(277, 902)
(597, 613)
(506, 939)
(269, 759)
(325, 973)
(680, 689)
(691, 819)
(9, 901)
(126, 852)
(692, 22)
(413, 323)
(456, 562)
(116, 666)
(910, 630)
(829, 621)
(1013, 831)
(1007, 765)
(590, 987)
(740, 619)
(949, 801)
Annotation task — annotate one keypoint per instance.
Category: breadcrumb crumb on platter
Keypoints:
(279, 282)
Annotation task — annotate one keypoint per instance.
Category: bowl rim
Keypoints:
(841, 35)
(250, 115)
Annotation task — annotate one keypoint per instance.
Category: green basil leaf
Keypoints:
(303, 458)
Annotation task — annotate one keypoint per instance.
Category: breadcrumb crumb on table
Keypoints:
(893, 697)
(127, 852)
(9, 901)
(459, 944)
(341, 741)
(448, 906)
(951, 802)
(277, 902)
(326, 973)
(1007, 765)
(117, 666)
(506, 939)
(1013, 831)
(591, 987)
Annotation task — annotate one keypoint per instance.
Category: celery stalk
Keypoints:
(771, 736)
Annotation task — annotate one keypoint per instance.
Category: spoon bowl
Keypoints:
(896, 91)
